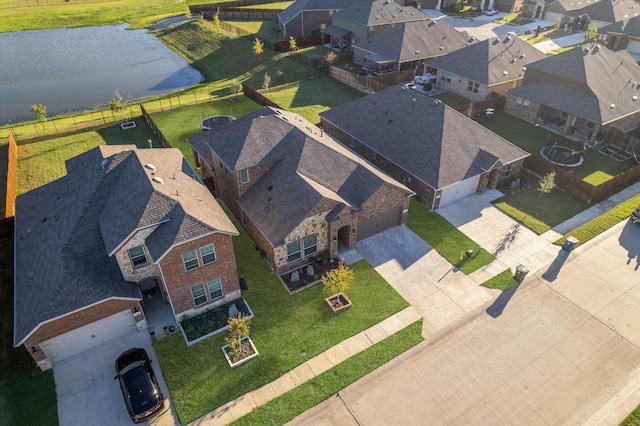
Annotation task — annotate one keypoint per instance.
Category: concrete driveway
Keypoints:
(564, 349)
(87, 393)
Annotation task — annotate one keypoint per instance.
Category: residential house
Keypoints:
(363, 19)
(580, 14)
(623, 34)
(407, 46)
(296, 191)
(308, 17)
(484, 69)
(124, 229)
(439, 153)
(580, 93)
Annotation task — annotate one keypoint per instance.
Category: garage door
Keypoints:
(89, 336)
(459, 190)
(633, 46)
(379, 223)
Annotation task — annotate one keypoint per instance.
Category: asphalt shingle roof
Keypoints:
(585, 82)
(414, 41)
(379, 12)
(602, 10)
(487, 61)
(299, 6)
(306, 168)
(428, 139)
(64, 230)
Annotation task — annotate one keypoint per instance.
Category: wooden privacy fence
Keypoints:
(576, 186)
(12, 176)
(258, 98)
(155, 129)
(622, 140)
(370, 84)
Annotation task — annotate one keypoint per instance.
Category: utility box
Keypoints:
(569, 244)
(521, 272)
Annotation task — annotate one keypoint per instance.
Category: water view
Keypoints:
(74, 69)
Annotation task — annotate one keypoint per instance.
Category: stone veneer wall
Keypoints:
(128, 271)
(312, 225)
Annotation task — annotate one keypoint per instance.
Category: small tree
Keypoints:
(238, 328)
(293, 45)
(266, 82)
(330, 57)
(120, 102)
(546, 184)
(258, 46)
(216, 19)
(40, 112)
(591, 33)
(338, 280)
(235, 87)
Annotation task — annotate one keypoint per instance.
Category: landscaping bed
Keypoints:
(211, 322)
(320, 265)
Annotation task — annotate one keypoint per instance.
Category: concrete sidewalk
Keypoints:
(569, 40)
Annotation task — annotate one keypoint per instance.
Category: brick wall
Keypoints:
(179, 281)
(254, 174)
(529, 115)
(72, 321)
(385, 199)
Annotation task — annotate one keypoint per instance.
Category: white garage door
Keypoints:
(633, 46)
(459, 190)
(89, 336)
(552, 16)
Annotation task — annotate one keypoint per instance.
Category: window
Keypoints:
(473, 86)
(137, 256)
(293, 252)
(215, 288)
(224, 169)
(589, 125)
(310, 245)
(507, 170)
(207, 254)
(198, 294)
(190, 260)
(522, 103)
(244, 176)
(445, 76)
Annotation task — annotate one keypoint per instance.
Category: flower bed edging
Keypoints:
(243, 360)
(214, 332)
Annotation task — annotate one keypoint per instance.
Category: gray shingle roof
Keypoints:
(414, 41)
(630, 26)
(428, 139)
(64, 229)
(486, 61)
(585, 82)
(379, 12)
(307, 167)
(602, 10)
(299, 6)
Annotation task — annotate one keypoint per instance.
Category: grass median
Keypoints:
(298, 400)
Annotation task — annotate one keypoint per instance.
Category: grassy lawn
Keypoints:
(603, 222)
(181, 123)
(42, 162)
(139, 13)
(296, 401)
(22, 385)
(553, 209)
(503, 281)
(287, 331)
(596, 167)
(446, 239)
(632, 419)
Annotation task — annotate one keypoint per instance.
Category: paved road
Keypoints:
(562, 348)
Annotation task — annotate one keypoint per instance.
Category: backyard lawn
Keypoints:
(446, 239)
(287, 330)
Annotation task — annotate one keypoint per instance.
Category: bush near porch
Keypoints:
(287, 330)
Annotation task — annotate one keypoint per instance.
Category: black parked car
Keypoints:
(635, 216)
(139, 386)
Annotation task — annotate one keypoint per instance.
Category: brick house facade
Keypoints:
(258, 178)
(127, 221)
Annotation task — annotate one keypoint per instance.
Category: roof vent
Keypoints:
(104, 163)
(634, 97)
(436, 102)
(150, 166)
(505, 72)
(441, 48)
(157, 179)
(612, 106)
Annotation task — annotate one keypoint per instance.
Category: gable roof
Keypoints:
(306, 168)
(428, 139)
(66, 230)
(414, 41)
(630, 26)
(300, 6)
(585, 82)
(379, 12)
(601, 10)
(487, 61)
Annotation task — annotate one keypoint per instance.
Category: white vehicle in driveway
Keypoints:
(491, 12)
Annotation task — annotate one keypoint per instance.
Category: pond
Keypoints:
(75, 69)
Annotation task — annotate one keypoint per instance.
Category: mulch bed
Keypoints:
(319, 268)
